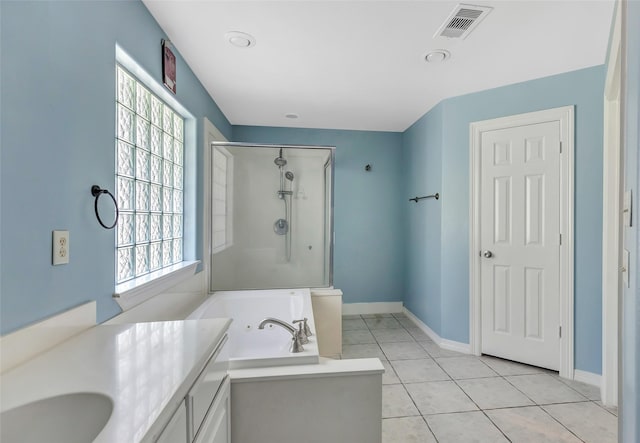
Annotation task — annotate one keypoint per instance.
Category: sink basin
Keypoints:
(68, 418)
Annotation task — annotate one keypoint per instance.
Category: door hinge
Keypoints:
(560, 147)
(560, 331)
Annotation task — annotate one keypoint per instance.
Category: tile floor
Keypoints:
(431, 394)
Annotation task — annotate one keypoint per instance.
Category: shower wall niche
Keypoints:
(271, 216)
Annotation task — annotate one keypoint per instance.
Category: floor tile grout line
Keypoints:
(602, 406)
(473, 401)
(535, 404)
(540, 406)
(519, 390)
(417, 416)
(498, 375)
(496, 425)
(403, 384)
(561, 424)
(531, 406)
(562, 380)
(418, 409)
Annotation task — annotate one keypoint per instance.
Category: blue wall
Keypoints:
(58, 119)
(57, 90)
(422, 155)
(368, 256)
(582, 88)
(630, 410)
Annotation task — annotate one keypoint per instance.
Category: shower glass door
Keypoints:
(271, 216)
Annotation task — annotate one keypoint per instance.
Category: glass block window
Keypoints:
(149, 180)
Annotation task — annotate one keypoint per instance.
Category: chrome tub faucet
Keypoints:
(296, 341)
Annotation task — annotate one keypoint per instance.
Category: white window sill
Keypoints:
(138, 290)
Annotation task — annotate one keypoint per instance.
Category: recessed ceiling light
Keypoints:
(293, 116)
(439, 55)
(240, 39)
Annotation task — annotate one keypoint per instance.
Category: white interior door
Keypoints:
(520, 241)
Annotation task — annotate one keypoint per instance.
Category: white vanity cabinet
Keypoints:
(203, 416)
(163, 379)
(174, 432)
(216, 427)
(208, 401)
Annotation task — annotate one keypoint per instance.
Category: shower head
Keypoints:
(280, 160)
(289, 175)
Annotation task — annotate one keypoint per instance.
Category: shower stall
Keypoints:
(271, 217)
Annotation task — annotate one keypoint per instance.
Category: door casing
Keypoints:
(565, 116)
(612, 228)
(210, 134)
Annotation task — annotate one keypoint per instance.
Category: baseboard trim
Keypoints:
(444, 343)
(372, 308)
(589, 378)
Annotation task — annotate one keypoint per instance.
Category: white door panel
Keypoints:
(520, 226)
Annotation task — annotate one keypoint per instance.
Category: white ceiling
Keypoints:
(360, 64)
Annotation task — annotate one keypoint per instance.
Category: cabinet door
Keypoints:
(176, 429)
(203, 392)
(217, 424)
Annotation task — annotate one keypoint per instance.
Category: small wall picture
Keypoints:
(168, 66)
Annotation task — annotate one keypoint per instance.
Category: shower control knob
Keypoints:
(487, 254)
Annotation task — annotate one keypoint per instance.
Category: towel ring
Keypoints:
(96, 191)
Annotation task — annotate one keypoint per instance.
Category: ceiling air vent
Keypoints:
(462, 21)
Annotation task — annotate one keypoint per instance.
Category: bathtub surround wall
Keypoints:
(345, 407)
(448, 249)
(58, 117)
(368, 257)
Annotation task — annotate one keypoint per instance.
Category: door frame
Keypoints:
(612, 229)
(565, 116)
(210, 134)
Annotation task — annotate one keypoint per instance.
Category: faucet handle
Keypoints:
(301, 332)
(307, 329)
(296, 343)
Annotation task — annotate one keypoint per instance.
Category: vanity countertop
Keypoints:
(145, 368)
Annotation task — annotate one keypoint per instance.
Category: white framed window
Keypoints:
(149, 180)
(222, 199)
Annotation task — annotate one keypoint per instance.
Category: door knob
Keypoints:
(487, 254)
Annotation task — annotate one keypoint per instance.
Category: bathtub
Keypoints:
(250, 347)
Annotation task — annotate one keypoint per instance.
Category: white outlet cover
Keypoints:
(60, 248)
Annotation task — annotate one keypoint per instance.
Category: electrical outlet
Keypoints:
(60, 247)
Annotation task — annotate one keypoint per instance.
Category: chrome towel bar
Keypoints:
(415, 199)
